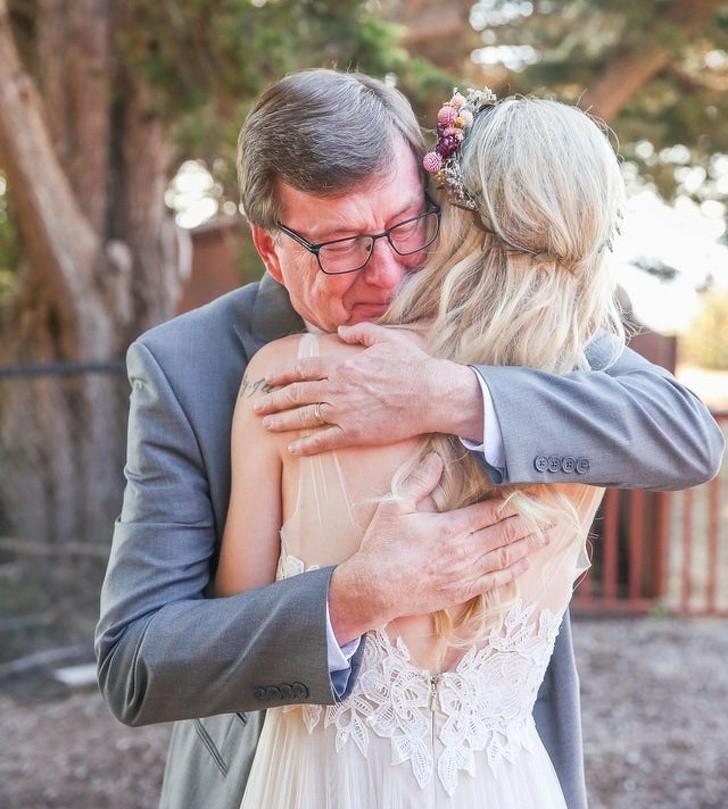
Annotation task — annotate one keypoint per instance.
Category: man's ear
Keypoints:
(266, 247)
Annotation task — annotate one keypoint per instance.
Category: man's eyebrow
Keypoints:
(248, 388)
(406, 212)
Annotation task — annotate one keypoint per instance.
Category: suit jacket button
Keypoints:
(541, 463)
(259, 693)
(568, 464)
(300, 691)
(554, 463)
(286, 691)
(582, 466)
(272, 692)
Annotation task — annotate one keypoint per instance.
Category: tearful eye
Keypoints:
(340, 248)
(406, 229)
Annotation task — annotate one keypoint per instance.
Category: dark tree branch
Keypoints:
(60, 243)
(625, 76)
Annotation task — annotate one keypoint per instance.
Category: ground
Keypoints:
(654, 690)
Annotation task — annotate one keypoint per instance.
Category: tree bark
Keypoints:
(634, 69)
(438, 31)
(60, 244)
(86, 172)
(77, 100)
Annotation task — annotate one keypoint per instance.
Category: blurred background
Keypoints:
(118, 210)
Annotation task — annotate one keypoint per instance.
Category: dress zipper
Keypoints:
(434, 683)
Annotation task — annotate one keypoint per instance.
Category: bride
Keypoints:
(440, 714)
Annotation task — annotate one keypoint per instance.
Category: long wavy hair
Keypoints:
(524, 280)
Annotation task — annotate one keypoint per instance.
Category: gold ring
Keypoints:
(317, 414)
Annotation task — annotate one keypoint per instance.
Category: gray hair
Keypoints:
(322, 132)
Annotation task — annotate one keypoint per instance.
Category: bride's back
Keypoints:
(328, 501)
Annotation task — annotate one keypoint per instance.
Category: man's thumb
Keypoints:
(423, 479)
(366, 334)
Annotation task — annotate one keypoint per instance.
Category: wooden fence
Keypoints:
(663, 551)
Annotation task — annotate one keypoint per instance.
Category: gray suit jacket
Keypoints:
(167, 652)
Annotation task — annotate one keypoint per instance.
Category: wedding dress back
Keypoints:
(411, 734)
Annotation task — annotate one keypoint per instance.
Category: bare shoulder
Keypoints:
(282, 352)
(276, 352)
(264, 360)
(285, 351)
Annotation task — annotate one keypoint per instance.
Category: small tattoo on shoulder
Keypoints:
(248, 388)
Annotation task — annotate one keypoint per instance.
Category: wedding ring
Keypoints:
(317, 414)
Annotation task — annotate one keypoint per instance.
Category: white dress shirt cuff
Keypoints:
(339, 657)
(492, 446)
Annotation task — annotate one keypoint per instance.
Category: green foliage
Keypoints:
(208, 60)
(574, 43)
(9, 249)
(706, 343)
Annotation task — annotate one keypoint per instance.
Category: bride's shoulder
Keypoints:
(275, 352)
(288, 349)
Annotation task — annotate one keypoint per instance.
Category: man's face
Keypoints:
(329, 301)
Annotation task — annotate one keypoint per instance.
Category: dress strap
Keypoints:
(322, 498)
(308, 345)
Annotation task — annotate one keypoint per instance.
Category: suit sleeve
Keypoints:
(165, 651)
(626, 423)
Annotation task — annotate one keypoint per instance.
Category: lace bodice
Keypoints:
(436, 722)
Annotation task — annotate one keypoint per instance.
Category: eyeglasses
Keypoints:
(341, 256)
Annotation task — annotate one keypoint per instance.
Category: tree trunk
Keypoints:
(86, 172)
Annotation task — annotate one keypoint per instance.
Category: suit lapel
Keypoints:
(272, 316)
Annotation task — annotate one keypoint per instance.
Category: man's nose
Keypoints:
(386, 268)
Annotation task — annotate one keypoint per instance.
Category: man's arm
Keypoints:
(628, 424)
(166, 651)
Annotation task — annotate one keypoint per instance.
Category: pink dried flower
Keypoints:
(446, 115)
(432, 162)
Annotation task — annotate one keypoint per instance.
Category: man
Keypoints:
(326, 158)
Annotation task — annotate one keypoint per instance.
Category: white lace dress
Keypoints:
(407, 737)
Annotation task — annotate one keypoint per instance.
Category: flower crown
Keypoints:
(453, 122)
(454, 119)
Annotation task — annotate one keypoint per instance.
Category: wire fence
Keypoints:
(61, 369)
(62, 437)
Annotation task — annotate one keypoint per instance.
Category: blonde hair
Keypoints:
(524, 280)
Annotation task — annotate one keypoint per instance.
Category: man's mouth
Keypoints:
(368, 311)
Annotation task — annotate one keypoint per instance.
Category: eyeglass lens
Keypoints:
(406, 238)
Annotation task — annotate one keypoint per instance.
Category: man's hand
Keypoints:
(414, 561)
(390, 392)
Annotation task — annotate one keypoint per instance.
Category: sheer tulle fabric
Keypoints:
(296, 770)
(407, 735)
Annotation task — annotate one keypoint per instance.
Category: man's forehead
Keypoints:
(373, 206)
(397, 184)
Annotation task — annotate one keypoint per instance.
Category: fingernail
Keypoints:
(293, 449)
(267, 421)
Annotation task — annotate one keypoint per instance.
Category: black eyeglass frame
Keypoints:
(315, 248)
